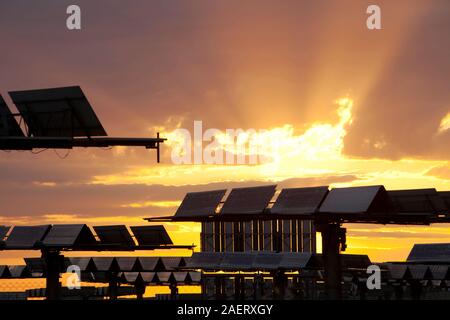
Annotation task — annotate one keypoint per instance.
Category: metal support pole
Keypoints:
(333, 237)
(53, 262)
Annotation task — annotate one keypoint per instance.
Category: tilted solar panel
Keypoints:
(200, 203)
(151, 235)
(26, 237)
(127, 264)
(299, 200)
(433, 252)
(58, 112)
(114, 235)
(248, 200)
(8, 125)
(422, 201)
(69, 235)
(355, 200)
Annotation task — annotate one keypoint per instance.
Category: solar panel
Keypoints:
(82, 262)
(25, 237)
(355, 200)
(114, 235)
(151, 235)
(299, 200)
(57, 112)
(163, 277)
(172, 263)
(439, 272)
(237, 260)
(435, 252)
(3, 232)
(200, 203)
(195, 276)
(4, 272)
(419, 201)
(130, 277)
(104, 264)
(204, 260)
(150, 263)
(8, 125)
(19, 272)
(148, 277)
(126, 263)
(248, 200)
(295, 260)
(266, 261)
(69, 235)
(399, 271)
(180, 277)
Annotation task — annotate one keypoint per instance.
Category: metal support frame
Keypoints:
(333, 242)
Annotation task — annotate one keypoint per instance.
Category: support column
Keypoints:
(53, 262)
(333, 240)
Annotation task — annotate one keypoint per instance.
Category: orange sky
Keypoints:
(345, 105)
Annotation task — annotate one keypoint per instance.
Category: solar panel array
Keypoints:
(234, 261)
(80, 236)
(352, 204)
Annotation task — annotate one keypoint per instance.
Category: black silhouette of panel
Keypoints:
(69, 235)
(114, 235)
(25, 237)
(58, 112)
(248, 200)
(419, 201)
(151, 235)
(436, 252)
(297, 201)
(200, 203)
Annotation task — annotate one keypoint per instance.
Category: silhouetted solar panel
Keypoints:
(163, 277)
(435, 252)
(195, 276)
(114, 235)
(295, 260)
(8, 125)
(151, 235)
(420, 272)
(24, 237)
(248, 200)
(299, 200)
(172, 263)
(439, 272)
(204, 260)
(200, 203)
(126, 263)
(82, 262)
(237, 260)
(180, 277)
(150, 263)
(148, 277)
(420, 201)
(19, 272)
(399, 271)
(3, 232)
(130, 277)
(355, 200)
(69, 235)
(266, 261)
(104, 264)
(57, 112)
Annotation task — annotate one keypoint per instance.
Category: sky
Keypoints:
(340, 105)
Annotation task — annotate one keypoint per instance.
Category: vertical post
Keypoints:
(157, 149)
(53, 263)
(331, 244)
